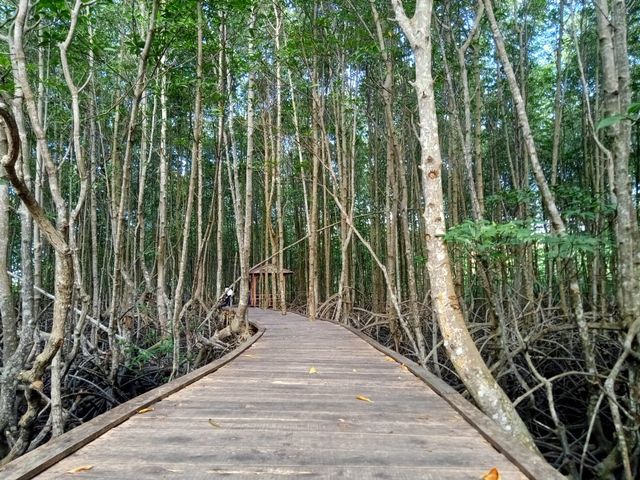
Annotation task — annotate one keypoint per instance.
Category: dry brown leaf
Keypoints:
(364, 399)
(214, 424)
(145, 410)
(404, 367)
(492, 475)
(252, 356)
(80, 469)
(37, 385)
(389, 359)
(312, 370)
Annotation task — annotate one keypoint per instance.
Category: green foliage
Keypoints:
(579, 204)
(633, 115)
(487, 238)
(513, 197)
(6, 76)
(490, 239)
(140, 356)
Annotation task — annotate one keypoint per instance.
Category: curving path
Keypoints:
(264, 416)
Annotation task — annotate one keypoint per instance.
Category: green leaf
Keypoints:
(612, 120)
(633, 108)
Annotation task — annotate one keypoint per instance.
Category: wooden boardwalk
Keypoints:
(264, 415)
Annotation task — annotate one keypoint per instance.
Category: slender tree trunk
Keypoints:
(312, 294)
(458, 342)
(278, 163)
(118, 248)
(161, 296)
(557, 122)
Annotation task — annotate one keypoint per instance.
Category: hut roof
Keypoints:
(269, 269)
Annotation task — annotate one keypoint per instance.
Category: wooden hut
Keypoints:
(259, 279)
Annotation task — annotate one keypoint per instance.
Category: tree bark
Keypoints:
(458, 342)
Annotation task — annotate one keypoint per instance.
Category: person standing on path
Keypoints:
(229, 296)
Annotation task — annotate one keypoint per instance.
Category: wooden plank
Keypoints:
(273, 419)
(40, 459)
(302, 454)
(154, 471)
(532, 465)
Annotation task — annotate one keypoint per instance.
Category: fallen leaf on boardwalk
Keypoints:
(80, 469)
(404, 367)
(145, 410)
(492, 475)
(252, 356)
(214, 424)
(355, 371)
(341, 419)
(312, 370)
(389, 359)
(364, 399)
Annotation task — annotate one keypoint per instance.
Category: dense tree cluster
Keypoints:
(459, 180)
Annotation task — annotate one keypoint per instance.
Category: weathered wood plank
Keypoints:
(529, 463)
(38, 460)
(146, 471)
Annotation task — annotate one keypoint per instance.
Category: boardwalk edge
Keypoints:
(38, 460)
(530, 464)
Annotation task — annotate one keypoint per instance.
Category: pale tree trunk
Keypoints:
(195, 152)
(26, 224)
(478, 130)
(312, 293)
(145, 159)
(199, 274)
(63, 262)
(118, 248)
(326, 242)
(299, 149)
(401, 171)
(12, 369)
(219, 219)
(269, 190)
(243, 206)
(115, 160)
(616, 83)
(161, 258)
(37, 238)
(458, 342)
(557, 122)
(496, 313)
(57, 366)
(93, 201)
(278, 163)
(343, 305)
(7, 307)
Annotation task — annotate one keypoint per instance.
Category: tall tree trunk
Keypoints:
(312, 294)
(118, 248)
(161, 295)
(278, 163)
(458, 342)
(616, 83)
(243, 207)
(557, 121)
